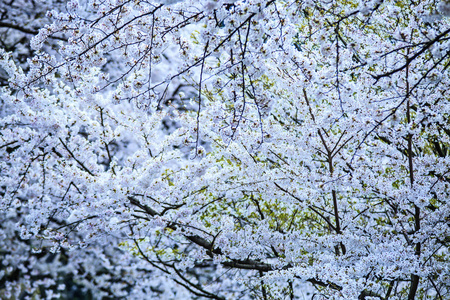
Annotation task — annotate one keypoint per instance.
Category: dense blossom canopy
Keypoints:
(250, 149)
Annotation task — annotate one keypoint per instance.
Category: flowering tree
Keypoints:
(228, 149)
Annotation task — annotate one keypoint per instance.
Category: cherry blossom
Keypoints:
(225, 150)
